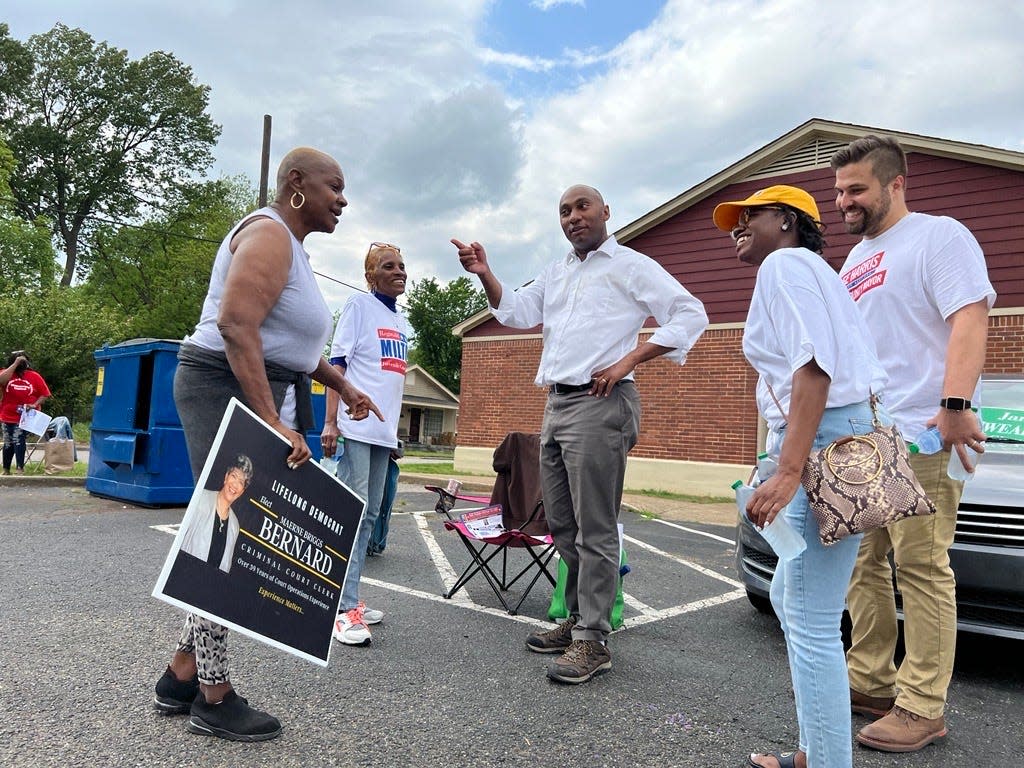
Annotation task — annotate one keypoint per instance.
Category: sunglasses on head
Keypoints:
(391, 246)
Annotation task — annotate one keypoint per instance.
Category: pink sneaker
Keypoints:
(350, 628)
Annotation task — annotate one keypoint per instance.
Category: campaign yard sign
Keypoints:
(263, 549)
(1003, 424)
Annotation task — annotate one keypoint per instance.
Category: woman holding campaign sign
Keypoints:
(263, 326)
(23, 389)
(370, 348)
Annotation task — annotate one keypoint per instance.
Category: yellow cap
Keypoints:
(727, 215)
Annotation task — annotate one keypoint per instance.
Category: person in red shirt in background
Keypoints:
(23, 388)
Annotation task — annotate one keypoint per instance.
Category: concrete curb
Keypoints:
(472, 484)
(43, 481)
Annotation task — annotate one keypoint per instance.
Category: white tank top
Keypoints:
(296, 329)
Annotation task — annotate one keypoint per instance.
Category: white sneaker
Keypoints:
(371, 615)
(350, 628)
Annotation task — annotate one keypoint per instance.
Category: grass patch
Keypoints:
(80, 432)
(445, 468)
(683, 496)
(427, 454)
(37, 468)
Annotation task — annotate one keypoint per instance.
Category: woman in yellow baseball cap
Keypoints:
(817, 371)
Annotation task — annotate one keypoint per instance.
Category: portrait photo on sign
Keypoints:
(263, 549)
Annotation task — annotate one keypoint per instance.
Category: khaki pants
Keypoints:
(920, 547)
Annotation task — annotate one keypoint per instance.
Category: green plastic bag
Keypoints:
(558, 610)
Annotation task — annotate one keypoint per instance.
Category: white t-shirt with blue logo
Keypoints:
(374, 342)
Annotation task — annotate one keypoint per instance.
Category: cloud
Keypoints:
(446, 129)
(516, 61)
(547, 5)
(449, 155)
(708, 83)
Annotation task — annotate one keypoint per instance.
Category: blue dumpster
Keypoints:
(137, 448)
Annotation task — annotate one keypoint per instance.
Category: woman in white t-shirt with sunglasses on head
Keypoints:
(809, 345)
(370, 347)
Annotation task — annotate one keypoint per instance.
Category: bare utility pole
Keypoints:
(265, 161)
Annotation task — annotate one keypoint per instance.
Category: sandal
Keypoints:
(785, 759)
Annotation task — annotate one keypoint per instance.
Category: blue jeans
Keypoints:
(363, 468)
(808, 594)
(379, 536)
(14, 446)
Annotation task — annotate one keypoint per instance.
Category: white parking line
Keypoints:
(448, 576)
(441, 562)
(681, 561)
(635, 604)
(459, 601)
(722, 539)
(678, 610)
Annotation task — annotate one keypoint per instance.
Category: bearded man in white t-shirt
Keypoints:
(923, 287)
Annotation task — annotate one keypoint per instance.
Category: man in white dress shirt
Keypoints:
(592, 304)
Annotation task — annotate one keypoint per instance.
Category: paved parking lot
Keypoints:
(699, 677)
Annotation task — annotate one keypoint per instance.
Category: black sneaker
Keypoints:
(232, 719)
(554, 640)
(583, 660)
(174, 697)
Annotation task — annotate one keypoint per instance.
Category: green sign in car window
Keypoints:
(1003, 423)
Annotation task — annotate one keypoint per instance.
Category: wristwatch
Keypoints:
(955, 403)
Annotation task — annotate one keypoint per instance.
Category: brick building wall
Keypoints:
(1005, 350)
(705, 411)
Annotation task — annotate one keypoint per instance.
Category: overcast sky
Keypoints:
(468, 118)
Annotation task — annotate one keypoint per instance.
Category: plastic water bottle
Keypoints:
(766, 467)
(779, 534)
(743, 494)
(927, 443)
(330, 463)
(783, 538)
(956, 468)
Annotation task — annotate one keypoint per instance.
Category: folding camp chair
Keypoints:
(523, 526)
(58, 428)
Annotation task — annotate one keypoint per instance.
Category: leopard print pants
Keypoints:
(209, 642)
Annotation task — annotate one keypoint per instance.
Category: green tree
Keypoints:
(433, 311)
(60, 328)
(157, 274)
(26, 253)
(99, 135)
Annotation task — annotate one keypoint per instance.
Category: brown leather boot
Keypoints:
(870, 706)
(901, 731)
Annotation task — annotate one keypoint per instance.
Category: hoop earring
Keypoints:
(302, 202)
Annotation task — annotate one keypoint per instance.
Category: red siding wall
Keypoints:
(988, 201)
(705, 410)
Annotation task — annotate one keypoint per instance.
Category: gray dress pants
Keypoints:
(583, 447)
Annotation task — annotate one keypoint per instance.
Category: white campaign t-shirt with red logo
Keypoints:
(374, 342)
(907, 282)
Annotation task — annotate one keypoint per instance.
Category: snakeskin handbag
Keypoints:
(861, 482)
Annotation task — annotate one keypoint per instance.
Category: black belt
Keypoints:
(566, 389)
